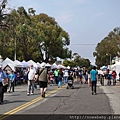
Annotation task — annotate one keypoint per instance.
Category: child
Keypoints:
(51, 77)
(81, 76)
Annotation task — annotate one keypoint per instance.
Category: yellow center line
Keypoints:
(15, 110)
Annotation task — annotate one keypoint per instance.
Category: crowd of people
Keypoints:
(110, 76)
(59, 76)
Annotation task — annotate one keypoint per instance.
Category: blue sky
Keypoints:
(87, 21)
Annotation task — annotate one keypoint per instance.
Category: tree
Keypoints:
(108, 48)
(34, 34)
(76, 61)
(2, 14)
(51, 38)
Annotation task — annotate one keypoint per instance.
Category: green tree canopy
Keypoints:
(108, 48)
(77, 61)
(34, 35)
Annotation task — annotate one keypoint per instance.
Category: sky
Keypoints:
(86, 21)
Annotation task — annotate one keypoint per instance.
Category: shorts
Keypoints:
(43, 84)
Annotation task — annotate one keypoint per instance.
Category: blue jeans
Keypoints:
(35, 86)
(65, 79)
(60, 83)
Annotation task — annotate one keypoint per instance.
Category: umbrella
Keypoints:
(104, 68)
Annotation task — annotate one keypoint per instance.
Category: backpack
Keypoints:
(39, 73)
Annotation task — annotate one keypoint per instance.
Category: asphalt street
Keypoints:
(62, 101)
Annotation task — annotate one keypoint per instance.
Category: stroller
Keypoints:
(70, 82)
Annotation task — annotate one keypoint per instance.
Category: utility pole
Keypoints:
(15, 50)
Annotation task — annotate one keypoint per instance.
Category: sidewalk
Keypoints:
(113, 93)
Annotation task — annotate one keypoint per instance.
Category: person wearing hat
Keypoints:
(2, 77)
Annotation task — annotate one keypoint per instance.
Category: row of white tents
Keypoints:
(24, 64)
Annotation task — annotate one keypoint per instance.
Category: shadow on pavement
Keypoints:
(104, 93)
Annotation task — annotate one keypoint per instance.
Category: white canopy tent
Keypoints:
(38, 64)
(18, 63)
(8, 62)
(61, 66)
(53, 66)
(47, 65)
(25, 63)
(33, 63)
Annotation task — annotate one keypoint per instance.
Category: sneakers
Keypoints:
(43, 95)
(28, 94)
(93, 93)
(1, 103)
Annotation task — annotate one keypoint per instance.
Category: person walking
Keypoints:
(108, 77)
(119, 76)
(60, 77)
(11, 81)
(94, 78)
(114, 74)
(56, 76)
(25, 74)
(51, 76)
(3, 77)
(77, 74)
(31, 80)
(18, 81)
(89, 78)
(6, 86)
(81, 77)
(65, 73)
(86, 76)
(36, 81)
(43, 80)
